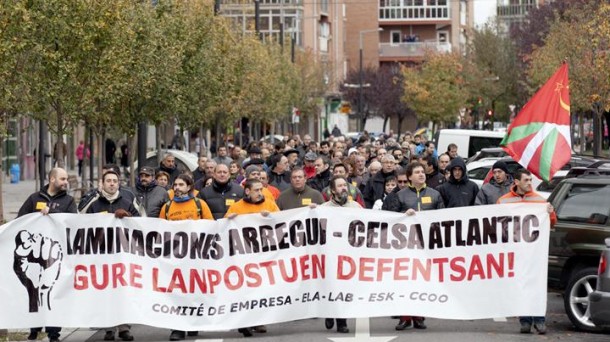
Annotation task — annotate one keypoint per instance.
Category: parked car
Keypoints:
(480, 171)
(582, 205)
(184, 160)
(600, 298)
(489, 152)
(468, 141)
(272, 139)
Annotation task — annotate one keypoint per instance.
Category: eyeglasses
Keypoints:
(403, 182)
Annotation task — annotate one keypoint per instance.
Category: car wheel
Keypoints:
(576, 298)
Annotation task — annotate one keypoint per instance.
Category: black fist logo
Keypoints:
(37, 264)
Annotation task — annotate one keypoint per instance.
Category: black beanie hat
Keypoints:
(500, 165)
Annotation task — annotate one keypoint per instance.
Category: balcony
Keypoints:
(390, 10)
(518, 11)
(411, 50)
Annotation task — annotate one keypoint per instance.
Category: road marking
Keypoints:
(500, 319)
(363, 333)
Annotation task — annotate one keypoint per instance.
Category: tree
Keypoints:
(352, 93)
(435, 90)
(582, 40)
(490, 70)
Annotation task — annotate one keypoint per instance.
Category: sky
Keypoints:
(483, 10)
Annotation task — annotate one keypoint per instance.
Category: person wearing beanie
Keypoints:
(498, 185)
(254, 172)
(458, 190)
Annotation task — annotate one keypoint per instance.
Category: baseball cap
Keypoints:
(147, 170)
(311, 156)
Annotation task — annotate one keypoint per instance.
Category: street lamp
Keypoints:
(361, 75)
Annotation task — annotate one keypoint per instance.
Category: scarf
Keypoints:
(109, 197)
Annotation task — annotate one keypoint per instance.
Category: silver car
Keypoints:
(599, 300)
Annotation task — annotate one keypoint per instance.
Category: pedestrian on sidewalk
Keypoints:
(80, 155)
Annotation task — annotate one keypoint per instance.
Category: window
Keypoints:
(585, 203)
(395, 37)
(478, 143)
(479, 173)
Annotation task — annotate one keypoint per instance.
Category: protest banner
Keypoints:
(97, 270)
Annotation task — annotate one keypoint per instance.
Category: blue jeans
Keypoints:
(529, 319)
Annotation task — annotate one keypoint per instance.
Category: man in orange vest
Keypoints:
(253, 202)
(522, 192)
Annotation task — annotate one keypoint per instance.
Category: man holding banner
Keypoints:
(111, 201)
(339, 198)
(253, 202)
(416, 197)
(53, 198)
(519, 193)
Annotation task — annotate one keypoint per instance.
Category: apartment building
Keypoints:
(313, 25)
(407, 29)
(514, 12)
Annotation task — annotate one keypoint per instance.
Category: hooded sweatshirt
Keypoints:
(458, 193)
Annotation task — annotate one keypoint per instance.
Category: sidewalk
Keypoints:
(14, 195)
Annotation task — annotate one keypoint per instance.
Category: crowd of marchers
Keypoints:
(402, 175)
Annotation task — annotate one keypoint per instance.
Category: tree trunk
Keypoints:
(597, 132)
(131, 143)
(101, 156)
(385, 123)
(58, 148)
(1, 182)
(157, 143)
(399, 128)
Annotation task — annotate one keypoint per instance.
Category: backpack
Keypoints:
(197, 202)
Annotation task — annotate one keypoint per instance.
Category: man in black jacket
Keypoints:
(53, 198)
(168, 164)
(458, 191)
(151, 196)
(322, 178)
(222, 193)
(111, 201)
(375, 187)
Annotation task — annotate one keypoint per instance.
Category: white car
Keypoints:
(184, 160)
(479, 170)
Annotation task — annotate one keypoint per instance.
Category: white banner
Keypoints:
(96, 270)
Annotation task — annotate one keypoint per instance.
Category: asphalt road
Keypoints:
(382, 329)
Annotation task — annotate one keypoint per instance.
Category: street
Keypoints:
(382, 329)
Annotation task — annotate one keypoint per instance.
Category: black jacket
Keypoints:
(425, 199)
(435, 179)
(60, 203)
(391, 201)
(198, 174)
(280, 181)
(173, 173)
(320, 181)
(219, 197)
(375, 187)
(93, 194)
(101, 204)
(152, 197)
(458, 193)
